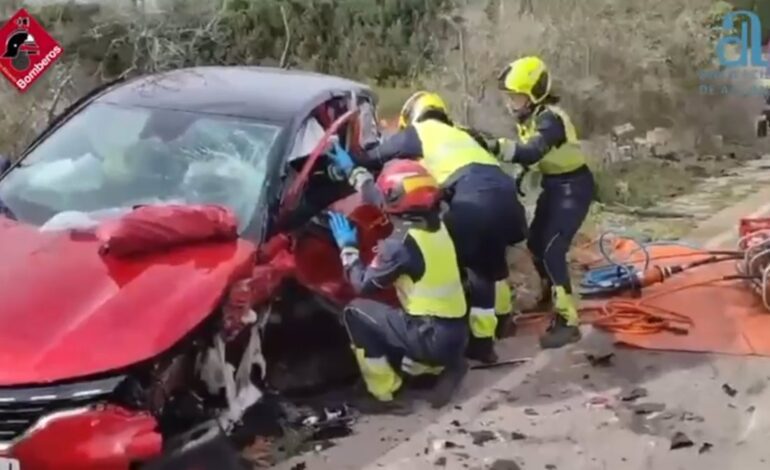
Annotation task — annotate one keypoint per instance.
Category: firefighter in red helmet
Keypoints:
(428, 334)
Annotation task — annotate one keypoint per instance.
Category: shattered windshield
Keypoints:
(109, 158)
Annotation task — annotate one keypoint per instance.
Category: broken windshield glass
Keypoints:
(111, 157)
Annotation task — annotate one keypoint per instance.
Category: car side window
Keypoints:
(369, 131)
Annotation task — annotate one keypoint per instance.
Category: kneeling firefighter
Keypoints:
(429, 333)
(484, 216)
(547, 139)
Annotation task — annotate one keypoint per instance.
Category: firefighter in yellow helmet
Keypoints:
(484, 214)
(548, 140)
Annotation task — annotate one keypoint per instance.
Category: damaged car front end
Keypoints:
(167, 263)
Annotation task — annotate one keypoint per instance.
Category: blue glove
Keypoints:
(344, 232)
(342, 159)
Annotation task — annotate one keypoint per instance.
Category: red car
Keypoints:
(217, 179)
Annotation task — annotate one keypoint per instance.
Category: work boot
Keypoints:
(506, 326)
(369, 405)
(482, 350)
(559, 334)
(448, 383)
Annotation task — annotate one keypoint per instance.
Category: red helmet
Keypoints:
(408, 187)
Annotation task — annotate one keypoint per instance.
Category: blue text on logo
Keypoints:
(745, 47)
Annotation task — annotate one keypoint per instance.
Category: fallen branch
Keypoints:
(640, 212)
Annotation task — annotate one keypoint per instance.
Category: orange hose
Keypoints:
(633, 316)
(651, 258)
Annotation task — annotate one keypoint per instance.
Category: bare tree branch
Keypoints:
(57, 95)
(456, 23)
(526, 8)
(285, 54)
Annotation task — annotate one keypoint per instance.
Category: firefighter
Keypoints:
(429, 332)
(484, 214)
(548, 140)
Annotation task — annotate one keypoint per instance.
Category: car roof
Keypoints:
(264, 93)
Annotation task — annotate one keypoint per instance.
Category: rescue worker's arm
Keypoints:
(395, 257)
(484, 139)
(363, 181)
(403, 144)
(550, 134)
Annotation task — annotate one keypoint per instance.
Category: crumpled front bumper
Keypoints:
(103, 437)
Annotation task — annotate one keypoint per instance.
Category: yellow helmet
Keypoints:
(417, 105)
(528, 76)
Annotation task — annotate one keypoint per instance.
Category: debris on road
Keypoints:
(689, 416)
(501, 464)
(599, 402)
(605, 360)
(502, 362)
(729, 390)
(705, 447)
(647, 408)
(634, 394)
(482, 437)
(680, 441)
(491, 406)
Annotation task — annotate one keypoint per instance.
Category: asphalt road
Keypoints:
(561, 412)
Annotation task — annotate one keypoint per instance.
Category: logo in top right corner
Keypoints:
(743, 35)
(26, 50)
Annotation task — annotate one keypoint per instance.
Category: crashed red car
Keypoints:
(152, 238)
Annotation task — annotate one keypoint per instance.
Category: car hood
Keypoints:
(68, 312)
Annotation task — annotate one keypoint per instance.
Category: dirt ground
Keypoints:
(637, 410)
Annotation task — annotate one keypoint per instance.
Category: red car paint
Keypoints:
(106, 438)
(68, 312)
(317, 257)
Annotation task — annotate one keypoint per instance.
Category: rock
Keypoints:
(623, 129)
(634, 394)
(501, 464)
(705, 447)
(482, 437)
(680, 441)
(605, 360)
(729, 390)
(491, 406)
(440, 462)
(659, 136)
(530, 412)
(517, 436)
